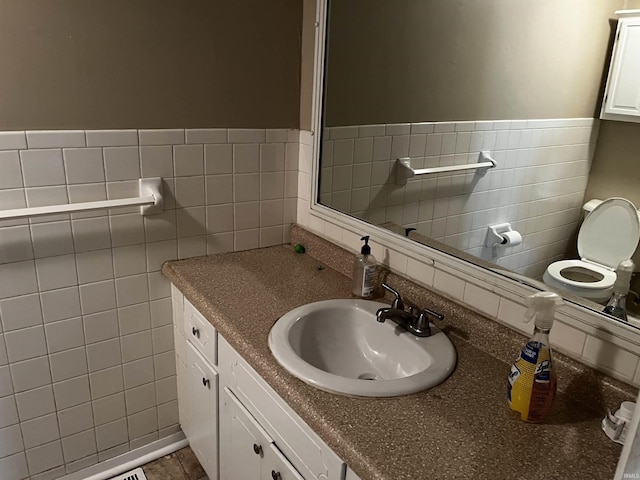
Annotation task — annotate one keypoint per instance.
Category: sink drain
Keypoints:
(368, 376)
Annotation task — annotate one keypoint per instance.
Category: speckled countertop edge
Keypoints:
(471, 334)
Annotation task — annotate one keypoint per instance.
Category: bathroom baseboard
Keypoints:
(130, 460)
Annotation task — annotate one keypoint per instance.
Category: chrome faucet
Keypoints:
(417, 324)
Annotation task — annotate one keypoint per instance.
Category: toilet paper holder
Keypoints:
(502, 235)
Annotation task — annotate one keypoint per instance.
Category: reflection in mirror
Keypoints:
(417, 85)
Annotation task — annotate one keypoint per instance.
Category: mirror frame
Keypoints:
(580, 317)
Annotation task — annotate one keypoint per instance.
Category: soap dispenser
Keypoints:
(616, 306)
(364, 271)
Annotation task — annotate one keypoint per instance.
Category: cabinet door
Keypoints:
(180, 344)
(276, 467)
(300, 445)
(242, 441)
(623, 89)
(351, 475)
(203, 411)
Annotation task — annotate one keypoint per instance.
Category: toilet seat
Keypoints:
(608, 276)
(608, 235)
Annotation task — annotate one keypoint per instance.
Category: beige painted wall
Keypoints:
(149, 63)
(615, 171)
(466, 60)
(306, 64)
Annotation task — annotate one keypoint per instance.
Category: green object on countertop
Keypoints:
(299, 248)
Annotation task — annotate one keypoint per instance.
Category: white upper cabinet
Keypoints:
(622, 95)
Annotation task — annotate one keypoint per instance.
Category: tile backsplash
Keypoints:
(87, 367)
(538, 184)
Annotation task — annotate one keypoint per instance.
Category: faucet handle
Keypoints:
(437, 315)
(422, 325)
(397, 302)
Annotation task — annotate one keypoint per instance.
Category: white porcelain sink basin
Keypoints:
(338, 346)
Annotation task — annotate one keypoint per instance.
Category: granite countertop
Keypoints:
(462, 428)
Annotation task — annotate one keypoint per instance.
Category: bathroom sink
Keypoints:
(338, 346)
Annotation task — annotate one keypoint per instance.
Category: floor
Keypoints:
(180, 465)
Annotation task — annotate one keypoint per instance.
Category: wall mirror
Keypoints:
(433, 86)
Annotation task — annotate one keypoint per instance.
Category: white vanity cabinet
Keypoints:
(292, 439)
(202, 382)
(197, 379)
(236, 424)
(247, 451)
(622, 95)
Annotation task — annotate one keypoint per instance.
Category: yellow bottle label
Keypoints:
(532, 382)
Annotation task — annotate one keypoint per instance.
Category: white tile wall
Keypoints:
(87, 366)
(538, 185)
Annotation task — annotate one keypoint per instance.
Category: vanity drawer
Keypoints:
(200, 333)
(299, 443)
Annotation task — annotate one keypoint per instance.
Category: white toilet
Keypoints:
(608, 235)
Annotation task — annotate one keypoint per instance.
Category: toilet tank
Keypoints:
(588, 207)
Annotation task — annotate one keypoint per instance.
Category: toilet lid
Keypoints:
(610, 233)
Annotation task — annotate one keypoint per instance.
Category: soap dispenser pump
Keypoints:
(364, 271)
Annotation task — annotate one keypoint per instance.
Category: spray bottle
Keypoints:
(617, 303)
(532, 380)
